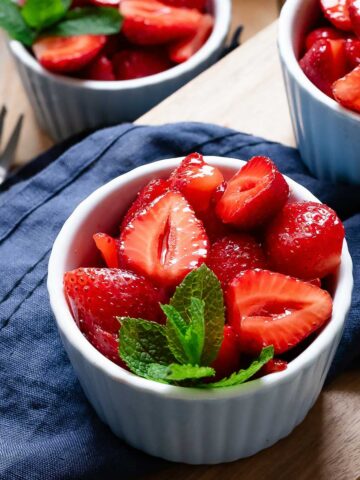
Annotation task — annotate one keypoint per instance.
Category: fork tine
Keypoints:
(7, 155)
(3, 113)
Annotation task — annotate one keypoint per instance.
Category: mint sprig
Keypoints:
(54, 17)
(181, 352)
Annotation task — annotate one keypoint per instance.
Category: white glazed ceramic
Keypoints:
(175, 423)
(327, 135)
(65, 106)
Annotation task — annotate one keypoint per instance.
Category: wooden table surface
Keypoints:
(244, 91)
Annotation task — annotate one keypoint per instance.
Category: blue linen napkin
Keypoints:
(47, 428)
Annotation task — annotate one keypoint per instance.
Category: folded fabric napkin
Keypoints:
(48, 430)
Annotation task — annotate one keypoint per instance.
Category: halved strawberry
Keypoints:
(337, 12)
(234, 253)
(154, 189)
(150, 22)
(305, 240)
(253, 195)
(67, 54)
(273, 366)
(134, 63)
(354, 12)
(182, 50)
(346, 90)
(199, 4)
(352, 52)
(166, 241)
(107, 344)
(197, 181)
(105, 3)
(321, 33)
(109, 248)
(268, 308)
(214, 227)
(100, 69)
(98, 295)
(228, 358)
(324, 63)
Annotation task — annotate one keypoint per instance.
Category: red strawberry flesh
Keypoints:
(346, 90)
(337, 12)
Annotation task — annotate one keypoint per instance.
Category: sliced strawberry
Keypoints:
(324, 63)
(305, 240)
(148, 194)
(100, 69)
(268, 308)
(138, 63)
(234, 253)
(253, 195)
(316, 282)
(214, 227)
(354, 12)
(337, 12)
(68, 54)
(352, 52)
(182, 50)
(273, 366)
(109, 248)
(198, 4)
(166, 241)
(197, 181)
(98, 295)
(150, 22)
(105, 3)
(106, 343)
(228, 358)
(346, 90)
(321, 33)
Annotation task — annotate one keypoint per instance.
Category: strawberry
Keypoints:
(182, 50)
(214, 227)
(197, 181)
(321, 33)
(198, 4)
(105, 3)
(228, 358)
(253, 195)
(305, 240)
(268, 308)
(273, 366)
(150, 22)
(138, 63)
(352, 52)
(100, 69)
(106, 343)
(234, 253)
(337, 12)
(148, 194)
(324, 63)
(109, 248)
(68, 54)
(165, 241)
(98, 295)
(354, 13)
(346, 90)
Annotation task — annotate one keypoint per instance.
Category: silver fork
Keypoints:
(8, 153)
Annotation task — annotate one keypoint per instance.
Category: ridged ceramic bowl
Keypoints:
(327, 134)
(66, 106)
(176, 423)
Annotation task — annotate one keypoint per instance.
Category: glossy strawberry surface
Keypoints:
(109, 248)
(228, 358)
(337, 12)
(132, 63)
(346, 90)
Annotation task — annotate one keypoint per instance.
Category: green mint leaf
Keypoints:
(195, 335)
(143, 343)
(203, 285)
(12, 21)
(176, 329)
(179, 373)
(88, 21)
(40, 14)
(243, 375)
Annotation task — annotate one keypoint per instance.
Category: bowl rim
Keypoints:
(287, 19)
(222, 15)
(70, 331)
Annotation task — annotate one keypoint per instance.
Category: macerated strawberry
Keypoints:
(346, 90)
(134, 63)
(199, 4)
(100, 69)
(197, 181)
(228, 358)
(154, 189)
(109, 248)
(253, 195)
(150, 22)
(354, 13)
(324, 63)
(98, 295)
(67, 54)
(165, 241)
(352, 52)
(268, 308)
(106, 343)
(321, 33)
(214, 227)
(337, 12)
(273, 366)
(105, 3)
(182, 50)
(305, 240)
(234, 253)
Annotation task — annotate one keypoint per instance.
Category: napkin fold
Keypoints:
(48, 430)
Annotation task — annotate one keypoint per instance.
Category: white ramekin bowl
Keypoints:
(327, 134)
(175, 423)
(66, 106)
